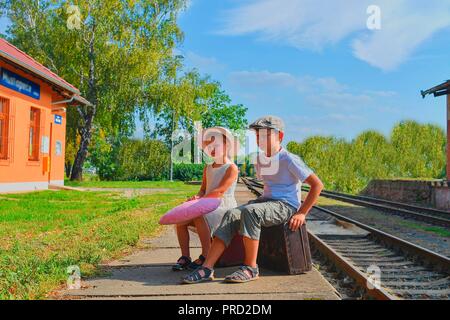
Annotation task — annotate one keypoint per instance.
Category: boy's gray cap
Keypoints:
(268, 122)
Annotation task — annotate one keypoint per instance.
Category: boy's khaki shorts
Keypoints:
(249, 218)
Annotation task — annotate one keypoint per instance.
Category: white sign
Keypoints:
(58, 148)
(45, 146)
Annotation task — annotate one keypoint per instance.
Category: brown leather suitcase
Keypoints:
(233, 255)
(282, 250)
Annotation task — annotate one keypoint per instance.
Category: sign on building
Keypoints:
(17, 83)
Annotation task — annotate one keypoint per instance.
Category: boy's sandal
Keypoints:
(182, 264)
(197, 263)
(196, 277)
(240, 276)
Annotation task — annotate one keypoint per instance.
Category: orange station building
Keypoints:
(33, 102)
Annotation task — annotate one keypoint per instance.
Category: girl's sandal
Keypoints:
(196, 277)
(240, 276)
(197, 263)
(182, 264)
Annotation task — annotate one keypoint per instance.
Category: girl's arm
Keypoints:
(228, 179)
(202, 190)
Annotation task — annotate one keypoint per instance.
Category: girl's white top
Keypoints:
(214, 177)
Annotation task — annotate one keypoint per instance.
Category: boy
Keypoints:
(282, 173)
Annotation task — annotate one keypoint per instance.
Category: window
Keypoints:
(33, 150)
(4, 119)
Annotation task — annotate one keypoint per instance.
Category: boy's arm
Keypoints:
(228, 179)
(316, 188)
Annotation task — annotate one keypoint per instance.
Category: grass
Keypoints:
(43, 233)
(125, 184)
(443, 232)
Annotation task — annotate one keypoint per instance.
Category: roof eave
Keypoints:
(439, 90)
(82, 100)
(37, 72)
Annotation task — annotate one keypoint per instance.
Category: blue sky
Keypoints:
(317, 65)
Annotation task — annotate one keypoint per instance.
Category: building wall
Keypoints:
(18, 173)
(426, 193)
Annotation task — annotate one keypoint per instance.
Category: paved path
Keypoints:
(147, 275)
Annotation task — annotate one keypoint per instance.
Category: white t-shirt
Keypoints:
(283, 175)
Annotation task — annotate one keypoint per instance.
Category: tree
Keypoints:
(143, 160)
(214, 109)
(180, 103)
(413, 151)
(372, 157)
(114, 55)
(221, 112)
(419, 149)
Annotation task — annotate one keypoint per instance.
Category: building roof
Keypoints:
(440, 90)
(15, 56)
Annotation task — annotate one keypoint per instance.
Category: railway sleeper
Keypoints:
(376, 260)
(416, 275)
(424, 294)
(440, 284)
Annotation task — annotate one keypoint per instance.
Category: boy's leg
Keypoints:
(216, 251)
(264, 214)
(228, 228)
(251, 252)
(256, 215)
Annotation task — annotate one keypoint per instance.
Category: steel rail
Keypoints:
(432, 259)
(433, 216)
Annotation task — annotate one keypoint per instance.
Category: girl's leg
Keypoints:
(183, 239)
(206, 271)
(204, 234)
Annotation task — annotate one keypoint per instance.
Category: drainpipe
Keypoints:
(63, 101)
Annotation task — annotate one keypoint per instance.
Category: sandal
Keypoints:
(197, 263)
(240, 276)
(182, 264)
(195, 276)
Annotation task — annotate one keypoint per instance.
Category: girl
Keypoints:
(219, 181)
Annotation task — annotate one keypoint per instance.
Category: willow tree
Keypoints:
(419, 149)
(113, 51)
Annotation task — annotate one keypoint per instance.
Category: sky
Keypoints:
(316, 63)
(318, 66)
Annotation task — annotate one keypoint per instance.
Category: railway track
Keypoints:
(381, 265)
(428, 215)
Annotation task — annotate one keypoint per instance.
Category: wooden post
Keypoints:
(448, 137)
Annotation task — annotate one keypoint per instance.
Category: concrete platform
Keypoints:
(147, 275)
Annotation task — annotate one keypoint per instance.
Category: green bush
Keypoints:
(188, 171)
(413, 150)
(143, 160)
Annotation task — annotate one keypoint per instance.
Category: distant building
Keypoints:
(438, 91)
(33, 103)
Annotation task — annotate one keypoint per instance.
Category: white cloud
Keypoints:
(258, 78)
(206, 64)
(312, 24)
(324, 92)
